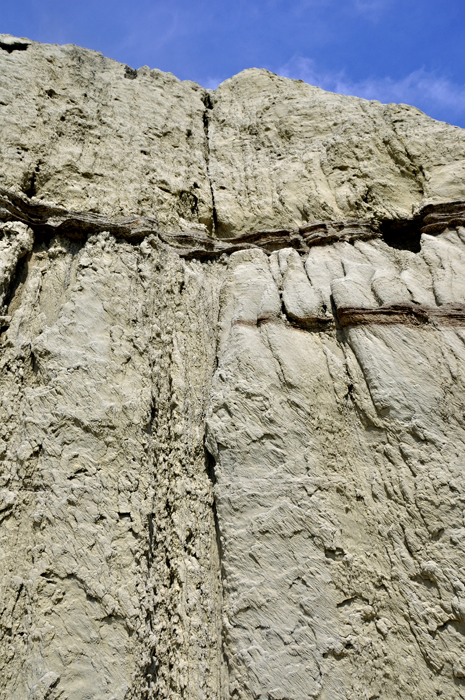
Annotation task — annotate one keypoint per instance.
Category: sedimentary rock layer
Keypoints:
(261, 152)
(232, 395)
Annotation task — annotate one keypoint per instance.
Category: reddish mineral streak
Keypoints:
(406, 314)
(47, 220)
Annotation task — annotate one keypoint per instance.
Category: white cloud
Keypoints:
(433, 93)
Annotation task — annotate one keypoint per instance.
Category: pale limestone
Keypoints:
(283, 153)
(340, 564)
(75, 131)
(212, 484)
(83, 131)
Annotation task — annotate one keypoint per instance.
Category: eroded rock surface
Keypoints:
(85, 132)
(232, 388)
(340, 486)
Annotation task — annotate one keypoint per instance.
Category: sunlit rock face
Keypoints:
(232, 388)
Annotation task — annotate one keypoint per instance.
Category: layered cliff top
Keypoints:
(87, 133)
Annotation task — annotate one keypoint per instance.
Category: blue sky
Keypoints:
(393, 50)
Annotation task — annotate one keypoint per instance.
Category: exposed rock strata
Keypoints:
(231, 464)
(261, 152)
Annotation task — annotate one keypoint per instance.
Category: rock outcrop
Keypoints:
(232, 388)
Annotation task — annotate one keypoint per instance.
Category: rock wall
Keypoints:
(232, 340)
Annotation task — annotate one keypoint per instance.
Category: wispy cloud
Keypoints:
(371, 8)
(433, 93)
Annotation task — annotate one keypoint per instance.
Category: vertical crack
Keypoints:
(30, 183)
(17, 280)
(210, 469)
(224, 670)
(206, 125)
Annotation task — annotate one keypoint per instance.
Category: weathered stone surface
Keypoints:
(283, 153)
(108, 541)
(85, 132)
(16, 240)
(81, 131)
(228, 468)
(340, 486)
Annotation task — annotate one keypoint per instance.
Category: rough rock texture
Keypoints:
(283, 152)
(340, 476)
(232, 395)
(85, 132)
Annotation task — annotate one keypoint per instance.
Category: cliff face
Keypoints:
(232, 400)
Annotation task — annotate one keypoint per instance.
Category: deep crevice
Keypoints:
(31, 190)
(30, 186)
(19, 278)
(207, 101)
(14, 46)
(334, 553)
(210, 464)
(403, 235)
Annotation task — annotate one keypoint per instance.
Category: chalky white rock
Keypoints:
(232, 388)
